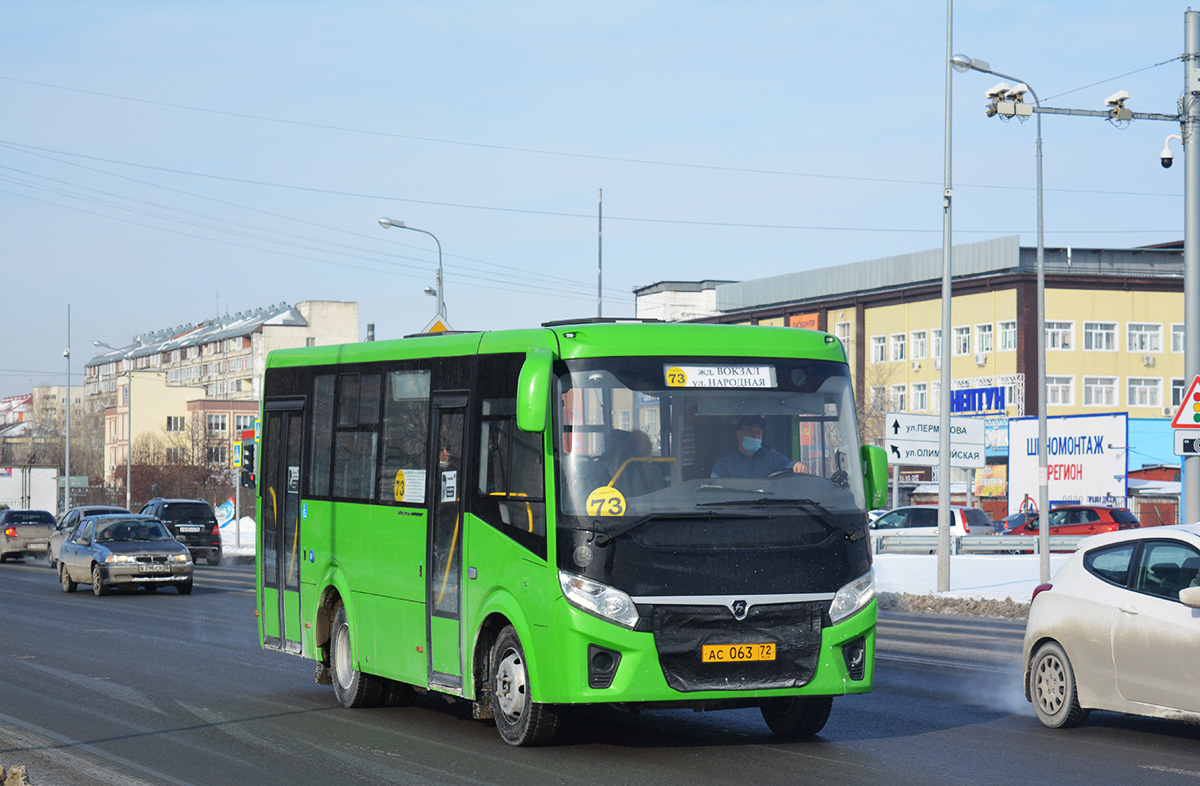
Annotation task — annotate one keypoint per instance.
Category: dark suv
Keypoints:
(193, 524)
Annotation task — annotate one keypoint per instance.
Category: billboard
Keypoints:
(1086, 457)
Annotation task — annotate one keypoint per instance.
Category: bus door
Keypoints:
(279, 536)
(444, 583)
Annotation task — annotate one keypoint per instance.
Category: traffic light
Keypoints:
(249, 473)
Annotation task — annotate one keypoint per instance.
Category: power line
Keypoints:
(486, 273)
(558, 153)
(680, 222)
(493, 284)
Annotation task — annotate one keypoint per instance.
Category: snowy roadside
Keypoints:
(982, 585)
(238, 538)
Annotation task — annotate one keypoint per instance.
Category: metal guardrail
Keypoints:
(903, 543)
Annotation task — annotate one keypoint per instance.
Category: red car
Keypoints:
(1080, 520)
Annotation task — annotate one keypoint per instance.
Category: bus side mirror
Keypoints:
(533, 391)
(875, 476)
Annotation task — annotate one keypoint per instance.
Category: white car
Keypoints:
(1117, 629)
(923, 520)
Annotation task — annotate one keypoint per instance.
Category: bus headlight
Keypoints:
(853, 597)
(599, 599)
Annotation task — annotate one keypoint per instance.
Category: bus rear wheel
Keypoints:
(520, 721)
(797, 716)
(352, 687)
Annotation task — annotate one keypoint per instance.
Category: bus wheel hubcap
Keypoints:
(341, 657)
(510, 685)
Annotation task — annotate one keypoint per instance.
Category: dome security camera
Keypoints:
(1166, 156)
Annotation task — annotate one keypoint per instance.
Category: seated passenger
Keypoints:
(751, 459)
(630, 476)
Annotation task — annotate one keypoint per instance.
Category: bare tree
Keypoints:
(875, 402)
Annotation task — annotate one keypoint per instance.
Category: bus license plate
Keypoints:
(736, 653)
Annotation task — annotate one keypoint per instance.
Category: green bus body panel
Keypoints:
(445, 655)
(291, 616)
(674, 340)
(373, 556)
(269, 623)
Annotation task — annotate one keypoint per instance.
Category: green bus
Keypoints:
(641, 514)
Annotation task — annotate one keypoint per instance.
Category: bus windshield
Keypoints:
(647, 436)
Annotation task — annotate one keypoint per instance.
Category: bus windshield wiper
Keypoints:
(629, 526)
(815, 509)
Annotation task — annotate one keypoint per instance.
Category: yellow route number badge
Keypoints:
(606, 501)
(398, 486)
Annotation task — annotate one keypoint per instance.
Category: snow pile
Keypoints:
(987, 585)
(238, 537)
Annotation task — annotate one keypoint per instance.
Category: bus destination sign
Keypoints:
(719, 376)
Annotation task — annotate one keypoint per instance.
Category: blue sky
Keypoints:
(163, 163)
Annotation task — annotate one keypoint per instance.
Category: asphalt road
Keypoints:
(141, 688)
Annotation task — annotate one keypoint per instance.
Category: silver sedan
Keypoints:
(124, 551)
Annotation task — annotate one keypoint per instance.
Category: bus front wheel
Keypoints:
(352, 687)
(520, 720)
(797, 716)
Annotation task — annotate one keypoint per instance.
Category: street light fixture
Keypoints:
(388, 223)
(1012, 104)
(129, 431)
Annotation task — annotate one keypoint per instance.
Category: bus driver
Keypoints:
(751, 459)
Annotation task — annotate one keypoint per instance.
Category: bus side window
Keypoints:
(403, 450)
(356, 436)
(510, 482)
(320, 454)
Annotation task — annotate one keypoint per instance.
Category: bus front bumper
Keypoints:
(596, 661)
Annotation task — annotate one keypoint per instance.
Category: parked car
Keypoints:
(123, 550)
(1003, 525)
(923, 520)
(67, 524)
(1116, 628)
(192, 522)
(24, 533)
(1077, 520)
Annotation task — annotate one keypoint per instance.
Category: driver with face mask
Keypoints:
(751, 459)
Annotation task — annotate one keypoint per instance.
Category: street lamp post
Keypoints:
(128, 431)
(388, 223)
(962, 64)
(67, 455)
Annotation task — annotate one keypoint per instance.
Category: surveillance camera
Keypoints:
(1018, 91)
(1117, 99)
(997, 92)
(67, 352)
(1167, 157)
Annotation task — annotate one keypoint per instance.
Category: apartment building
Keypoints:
(194, 388)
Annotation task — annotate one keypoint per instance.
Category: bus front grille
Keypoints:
(681, 633)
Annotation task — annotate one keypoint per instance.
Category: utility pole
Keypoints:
(943, 559)
(1189, 125)
(600, 253)
(67, 457)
